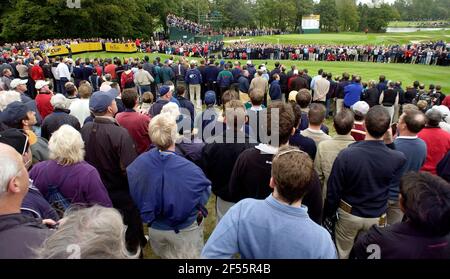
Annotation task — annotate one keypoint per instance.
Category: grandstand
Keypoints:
(211, 24)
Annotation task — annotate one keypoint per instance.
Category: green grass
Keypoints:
(349, 38)
(417, 23)
(405, 72)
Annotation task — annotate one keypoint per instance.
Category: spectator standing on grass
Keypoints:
(143, 80)
(194, 80)
(282, 212)
(358, 186)
(360, 110)
(59, 116)
(411, 122)
(135, 122)
(219, 156)
(275, 89)
(340, 91)
(328, 150)
(43, 98)
(389, 98)
(251, 173)
(260, 83)
(353, 92)
(297, 139)
(80, 107)
(110, 149)
(170, 192)
(321, 88)
(316, 117)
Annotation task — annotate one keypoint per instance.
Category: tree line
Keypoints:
(40, 19)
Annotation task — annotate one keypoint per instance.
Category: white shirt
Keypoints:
(63, 71)
(80, 109)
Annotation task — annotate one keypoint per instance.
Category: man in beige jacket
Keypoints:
(328, 150)
(258, 82)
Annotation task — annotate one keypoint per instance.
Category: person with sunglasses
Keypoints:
(34, 203)
(19, 116)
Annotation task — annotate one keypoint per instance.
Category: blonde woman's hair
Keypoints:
(66, 146)
(163, 131)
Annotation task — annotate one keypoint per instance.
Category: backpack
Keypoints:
(56, 199)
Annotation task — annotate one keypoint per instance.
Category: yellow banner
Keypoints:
(57, 50)
(113, 47)
(84, 47)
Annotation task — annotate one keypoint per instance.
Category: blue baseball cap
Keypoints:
(164, 90)
(100, 101)
(210, 97)
(14, 113)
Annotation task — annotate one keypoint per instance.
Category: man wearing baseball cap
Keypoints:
(360, 110)
(165, 93)
(110, 149)
(20, 85)
(19, 116)
(34, 204)
(43, 98)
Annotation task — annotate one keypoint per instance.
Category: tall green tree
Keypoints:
(348, 15)
(42, 19)
(329, 18)
(236, 13)
(302, 7)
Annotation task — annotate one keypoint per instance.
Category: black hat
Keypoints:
(16, 139)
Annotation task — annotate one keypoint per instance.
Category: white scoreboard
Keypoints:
(311, 22)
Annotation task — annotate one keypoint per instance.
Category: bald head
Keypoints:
(414, 121)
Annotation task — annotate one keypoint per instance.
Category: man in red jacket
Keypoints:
(36, 72)
(437, 140)
(43, 98)
(136, 123)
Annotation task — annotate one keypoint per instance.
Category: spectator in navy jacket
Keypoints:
(358, 187)
(411, 122)
(275, 89)
(194, 80)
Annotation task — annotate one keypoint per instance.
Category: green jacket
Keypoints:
(166, 74)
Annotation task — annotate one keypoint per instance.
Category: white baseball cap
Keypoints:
(361, 107)
(40, 84)
(16, 82)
